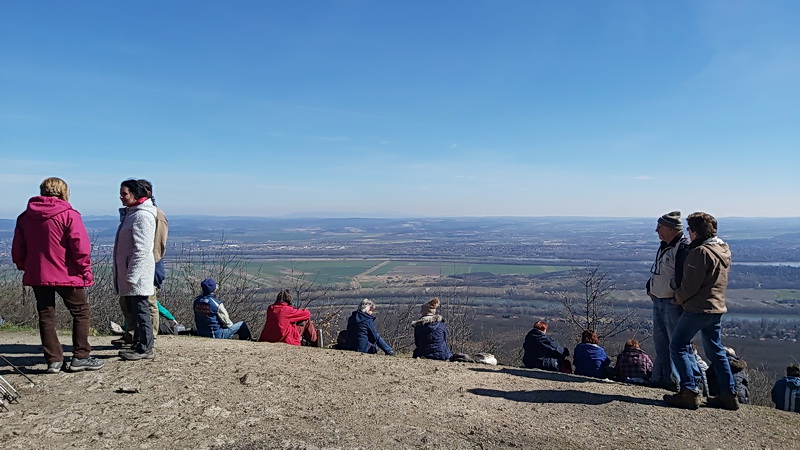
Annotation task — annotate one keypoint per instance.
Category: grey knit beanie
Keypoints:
(672, 220)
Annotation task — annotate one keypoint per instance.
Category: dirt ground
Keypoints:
(204, 393)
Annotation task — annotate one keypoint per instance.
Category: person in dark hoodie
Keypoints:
(430, 333)
(702, 296)
(541, 351)
(786, 391)
(51, 245)
(740, 378)
(362, 336)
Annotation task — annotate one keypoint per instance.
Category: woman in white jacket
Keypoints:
(134, 264)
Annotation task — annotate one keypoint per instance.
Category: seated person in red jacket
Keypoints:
(285, 323)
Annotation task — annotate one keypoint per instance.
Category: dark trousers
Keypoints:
(75, 300)
(139, 309)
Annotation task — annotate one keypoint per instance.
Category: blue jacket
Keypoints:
(362, 335)
(591, 361)
(430, 338)
(206, 308)
(786, 394)
(541, 351)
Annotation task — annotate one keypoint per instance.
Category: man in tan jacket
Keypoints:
(702, 296)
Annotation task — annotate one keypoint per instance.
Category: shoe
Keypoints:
(134, 356)
(724, 401)
(54, 367)
(684, 399)
(79, 365)
(121, 342)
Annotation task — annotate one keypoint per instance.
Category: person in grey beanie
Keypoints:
(666, 276)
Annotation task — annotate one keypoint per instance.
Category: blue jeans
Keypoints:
(238, 328)
(665, 318)
(685, 361)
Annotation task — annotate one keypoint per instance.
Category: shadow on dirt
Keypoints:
(542, 375)
(567, 396)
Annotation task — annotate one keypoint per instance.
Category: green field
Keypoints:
(448, 269)
(334, 271)
(342, 271)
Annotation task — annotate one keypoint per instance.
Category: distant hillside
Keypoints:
(203, 393)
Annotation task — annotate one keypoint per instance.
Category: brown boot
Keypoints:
(724, 401)
(684, 399)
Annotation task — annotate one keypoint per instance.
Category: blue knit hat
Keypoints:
(208, 285)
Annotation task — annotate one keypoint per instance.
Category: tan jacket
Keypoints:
(162, 229)
(705, 277)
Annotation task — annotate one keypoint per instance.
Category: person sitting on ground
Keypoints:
(633, 364)
(362, 336)
(786, 391)
(430, 333)
(288, 324)
(702, 384)
(166, 323)
(591, 359)
(740, 378)
(211, 317)
(541, 351)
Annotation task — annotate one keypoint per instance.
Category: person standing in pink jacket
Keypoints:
(52, 247)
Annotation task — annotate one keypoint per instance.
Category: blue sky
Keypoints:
(412, 108)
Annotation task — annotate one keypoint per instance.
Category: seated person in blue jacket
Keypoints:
(430, 333)
(212, 318)
(362, 336)
(786, 391)
(591, 360)
(541, 351)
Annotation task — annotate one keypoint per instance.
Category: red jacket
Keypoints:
(51, 245)
(280, 326)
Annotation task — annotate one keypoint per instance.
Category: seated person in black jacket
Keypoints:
(541, 351)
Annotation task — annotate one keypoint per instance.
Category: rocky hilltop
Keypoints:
(203, 393)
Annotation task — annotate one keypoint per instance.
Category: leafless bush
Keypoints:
(761, 381)
(592, 308)
(394, 323)
(17, 303)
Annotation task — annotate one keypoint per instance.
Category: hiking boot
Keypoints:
(79, 365)
(724, 401)
(134, 356)
(684, 399)
(54, 367)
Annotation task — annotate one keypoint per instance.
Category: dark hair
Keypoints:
(589, 337)
(284, 296)
(793, 371)
(632, 343)
(148, 186)
(135, 187)
(703, 224)
(540, 325)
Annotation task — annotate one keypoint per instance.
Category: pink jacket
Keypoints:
(51, 245)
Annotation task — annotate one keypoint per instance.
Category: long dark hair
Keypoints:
(135, 187)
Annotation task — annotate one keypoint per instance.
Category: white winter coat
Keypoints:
(134, 264)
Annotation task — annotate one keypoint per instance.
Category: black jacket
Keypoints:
(542, 352)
